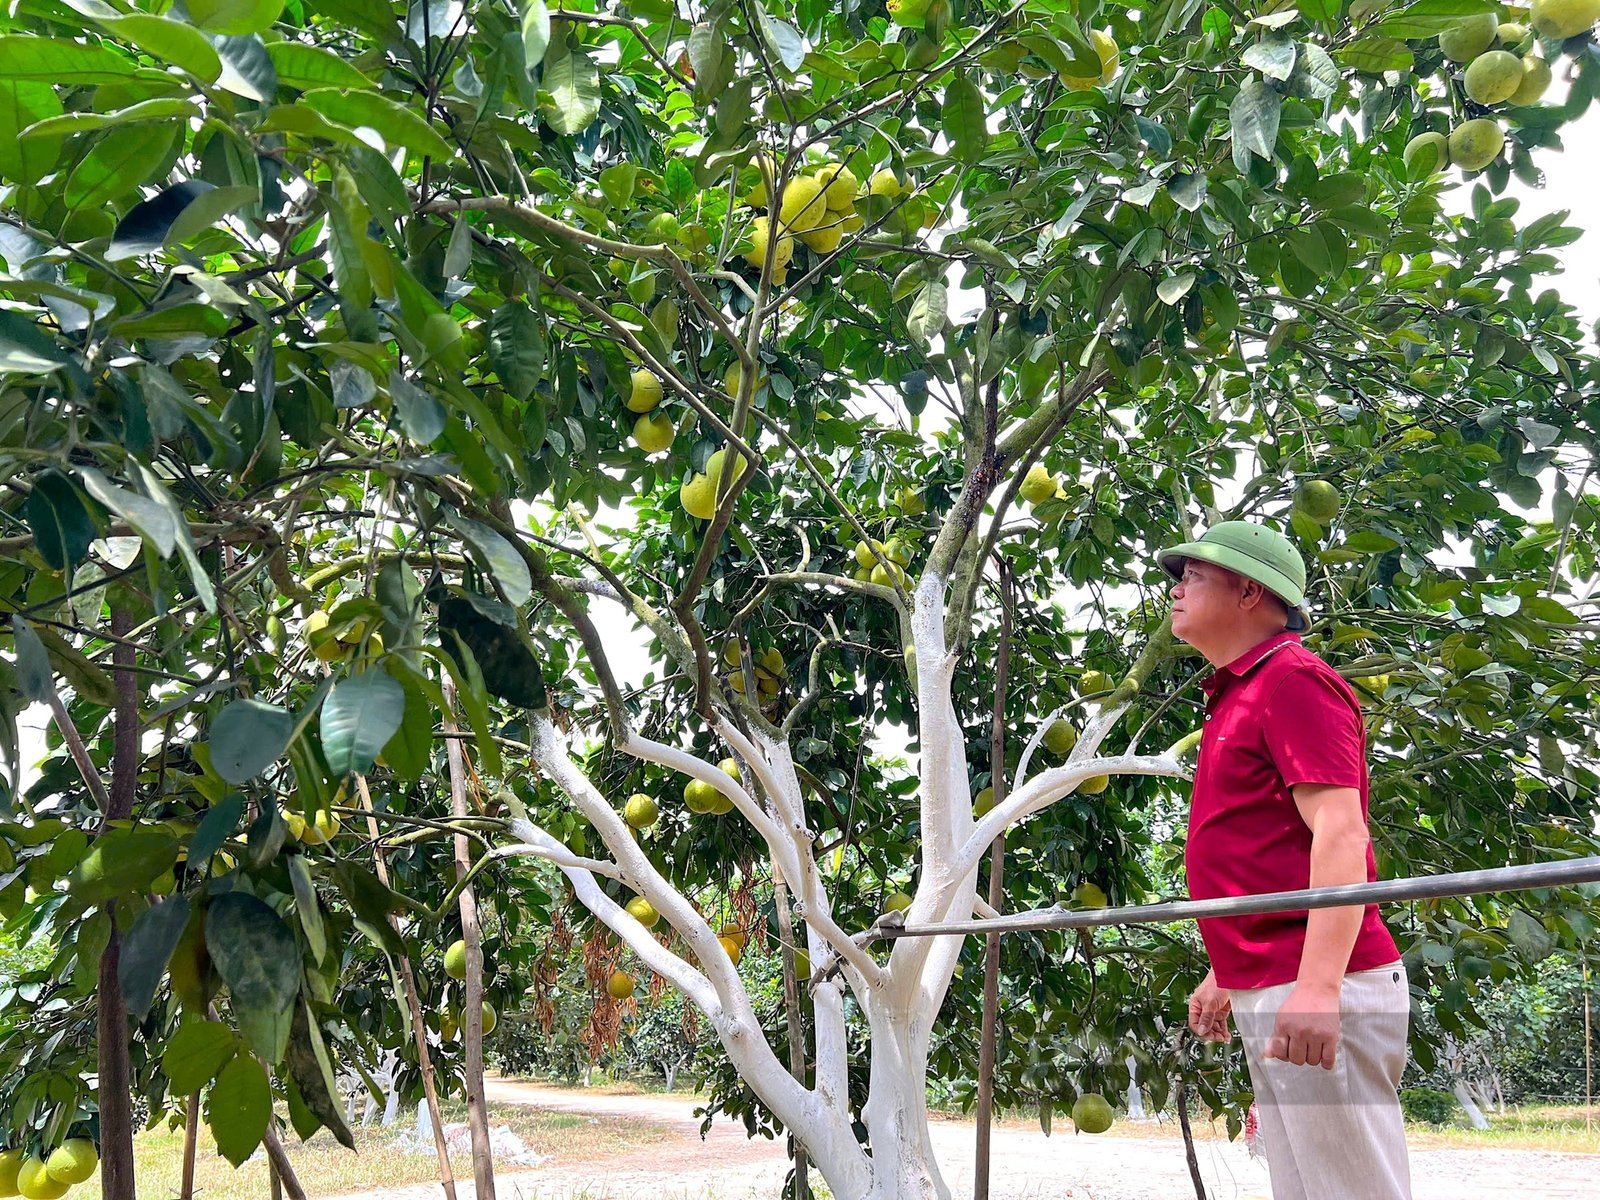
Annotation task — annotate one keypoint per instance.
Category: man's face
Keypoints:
(1205, 601)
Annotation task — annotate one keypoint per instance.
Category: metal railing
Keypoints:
(1423, 887)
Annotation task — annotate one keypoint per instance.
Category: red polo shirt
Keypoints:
(1276, 716)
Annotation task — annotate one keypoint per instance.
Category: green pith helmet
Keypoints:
(1255, 552)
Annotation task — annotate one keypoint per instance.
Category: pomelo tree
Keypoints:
(356, 355)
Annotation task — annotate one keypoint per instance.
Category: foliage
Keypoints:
(321, 319)
(1428, 1104)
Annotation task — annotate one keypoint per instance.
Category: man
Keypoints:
(1280, 803)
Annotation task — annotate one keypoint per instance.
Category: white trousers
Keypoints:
(1339, 1134)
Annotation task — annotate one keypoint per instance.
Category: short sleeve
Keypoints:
(1314, 732)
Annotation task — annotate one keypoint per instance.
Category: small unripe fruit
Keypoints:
(1317, 499)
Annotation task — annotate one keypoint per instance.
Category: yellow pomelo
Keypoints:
(1427, 152)
(700, 796)
(731, 948)
(1564, 18)
(864, 553)
(1091, 683)
(1094, 785)
(642, 911)
(74, 1161)
(839, 186)
(730, 653)
(641, 811)
(449, 1027)
(736, 682)
(888, 577)
(455, 960)
(767, 685)
(885, 182)
(766, 168)
(1110, 57)
(1061, 737)
(760, 235)
(620, 985)
(1091, 1113)
(1475, 144)
(1511, 33)
(802, 965)
(1375, 684)
(1464, 42)
(34, 1182)
(490, 1018)
(825, 238)
(323, 644)
(10, 1164)
(983, 803)
(733, 379)
(730, 768)
(897, 902)
(698, 495)
(1493, 77)
(1536, 77)
(734, 930)
(1039, 484)
(1088, 895)
(897, 552)
(1317, 499)
(909, 502)
(644, 392)
(803, 207)
(653, 432)
(772, 660)
(321, 829)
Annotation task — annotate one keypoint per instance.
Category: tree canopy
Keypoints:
(354, 351)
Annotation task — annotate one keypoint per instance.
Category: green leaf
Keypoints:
(371, 902)
(119, 162)
(235, 18)
(498, 658)
(58, 61)
(1188, 191)
(238, 1108)
(1429, 17)
(170, 41)
(216, 827)
(258, 959)
(1274, 56)
(926, 319)
(963, 117)
(196, 1052)
(1254, 114)
(151, 520)
(1316, 75)
(246, 69)
(1533, 941)
(312, 1071)
(711, 59)
(573, 83)
(307, 908)
(498, 556)
(35, 678)
(1176, 287)
(175, 214)
(395, 123)
(783, 39)
(176, 321)
(409, 752)
(247, 737)
(84, 677)
(61, 522)
(1374, 55)
(535, 33)
(24, 104)
(121, 861)
(359, 717)
(145, 951)
(421, 415)
(305, 67)
(156, 490)
(517, 348)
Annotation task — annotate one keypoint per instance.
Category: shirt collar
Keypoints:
(1247, 661)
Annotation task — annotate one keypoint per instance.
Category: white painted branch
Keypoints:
(618, 919)
(552, 850)
(779, 845)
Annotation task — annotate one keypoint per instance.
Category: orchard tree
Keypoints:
(355, 354)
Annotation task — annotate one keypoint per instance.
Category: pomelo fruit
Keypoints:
(1475, 144)
(455, 960)
(1564, 18)
(1464, 42)
(1061, 737)
(1317, 499)
(644, 391)
(1091, 1113)
(642, 911)
(1427, 152)
(641, 811)
(620, 985)
(74, 1161)
(654, 432)
(1493, 77)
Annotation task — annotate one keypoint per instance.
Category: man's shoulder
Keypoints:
(1293, 657)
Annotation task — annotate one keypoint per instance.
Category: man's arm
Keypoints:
(1307, 1031)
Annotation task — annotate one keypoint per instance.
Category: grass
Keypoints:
(1567, 1129)
(328, 1169)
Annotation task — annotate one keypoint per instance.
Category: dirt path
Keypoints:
(1131, 1164)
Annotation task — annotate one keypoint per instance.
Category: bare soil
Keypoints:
(1136, 1161)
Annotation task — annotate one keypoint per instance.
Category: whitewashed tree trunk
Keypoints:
(900, 996)
(1464, 1097)
(1135, 1097)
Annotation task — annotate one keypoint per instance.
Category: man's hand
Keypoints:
(1307, 1030)
(1208, 1010)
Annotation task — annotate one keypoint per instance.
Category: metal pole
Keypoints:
(997, 865)
(1422, 887)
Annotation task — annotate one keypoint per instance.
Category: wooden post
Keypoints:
(795, 1018)
(997, 861)
(419, 1029)
(472, 1004)
(191, 1139)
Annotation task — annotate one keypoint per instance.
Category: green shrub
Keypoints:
(1428, 1104)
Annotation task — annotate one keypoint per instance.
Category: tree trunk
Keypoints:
(283, 1169)
(997, 866)
(114, 1088)
(472, 1004)
(1464, 1096)
(795, 1019)
(191, 1140)
(896, 1112)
